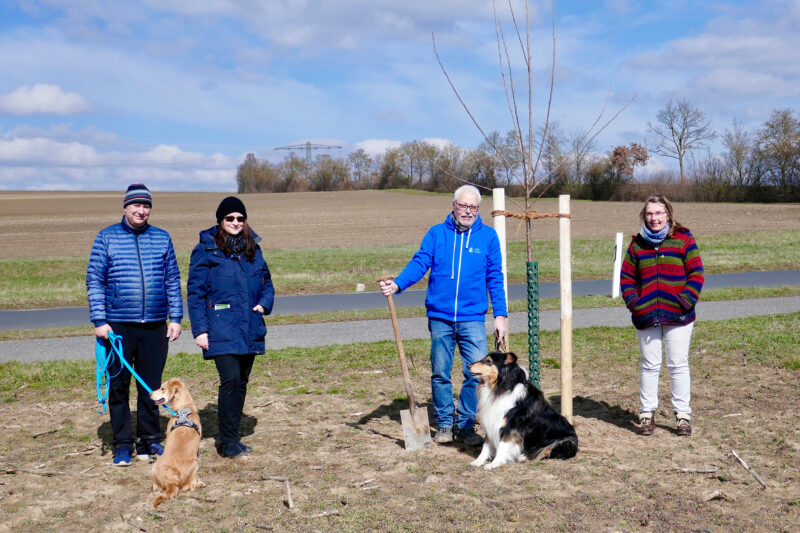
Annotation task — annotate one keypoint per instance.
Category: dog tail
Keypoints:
(565, 448)
(159, 500)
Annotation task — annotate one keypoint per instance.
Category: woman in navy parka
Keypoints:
(229, 292)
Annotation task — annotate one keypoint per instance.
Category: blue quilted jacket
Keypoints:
(222, 291)
(133, 276)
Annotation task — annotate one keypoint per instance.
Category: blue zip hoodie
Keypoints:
(463, 266)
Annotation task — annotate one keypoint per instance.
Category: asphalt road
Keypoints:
(290, 305)
(332, 333)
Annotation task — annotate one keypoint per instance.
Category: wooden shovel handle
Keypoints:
(400, 352)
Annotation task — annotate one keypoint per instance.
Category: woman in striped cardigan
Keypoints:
(661, 280)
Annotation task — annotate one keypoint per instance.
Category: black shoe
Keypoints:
(467, 437)
(231, 450)
(245, 447)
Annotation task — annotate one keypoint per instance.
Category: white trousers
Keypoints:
(675, 341)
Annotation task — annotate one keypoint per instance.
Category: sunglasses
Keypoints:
(231, 218)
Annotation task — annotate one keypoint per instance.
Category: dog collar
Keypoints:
(183, 420)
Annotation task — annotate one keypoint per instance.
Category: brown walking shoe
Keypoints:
(684, 428)
(647, 425)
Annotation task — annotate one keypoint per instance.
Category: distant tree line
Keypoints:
(761, 165)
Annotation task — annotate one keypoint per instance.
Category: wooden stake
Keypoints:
(565, 255)
(499, 223)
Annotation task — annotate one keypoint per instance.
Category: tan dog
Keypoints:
(176, 469)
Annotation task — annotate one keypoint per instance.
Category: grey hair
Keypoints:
(467, 188)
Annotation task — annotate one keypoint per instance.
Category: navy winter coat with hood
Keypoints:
(133, 276)
(222, 291)
(463, 266)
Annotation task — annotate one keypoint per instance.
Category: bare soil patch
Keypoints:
(337, 438)
(64, 224)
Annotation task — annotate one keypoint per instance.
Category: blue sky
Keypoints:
(96, 94)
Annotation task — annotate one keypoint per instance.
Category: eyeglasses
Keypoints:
(657, 214)
(467, 207)
(231, 218)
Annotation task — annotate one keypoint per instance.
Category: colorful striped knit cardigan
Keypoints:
(661, 284)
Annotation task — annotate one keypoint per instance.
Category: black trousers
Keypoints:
(234, 373)
(145, 348)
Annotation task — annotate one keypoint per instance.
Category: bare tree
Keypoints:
(329, 174)
(512, 52)
(778, 146)
(255, 175)
(580, 150)
(360, 168)
(294, 173)
(738, 154)
(680, 127)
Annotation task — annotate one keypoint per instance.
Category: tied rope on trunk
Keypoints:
(528, 215)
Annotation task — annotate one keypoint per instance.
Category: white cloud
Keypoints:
(437, 142)
(70, 165)
(761, 60)
(377, 146)
(46, 152)
(42, 99)
(339, 24)
(91, 135)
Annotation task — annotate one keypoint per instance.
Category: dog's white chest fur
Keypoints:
(492, 411)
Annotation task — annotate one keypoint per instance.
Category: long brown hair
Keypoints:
(661, 200)
(250, 247)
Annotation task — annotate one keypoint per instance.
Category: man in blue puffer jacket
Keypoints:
(134, 286)
(465, 262)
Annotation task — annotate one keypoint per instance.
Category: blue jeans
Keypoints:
(471, 340)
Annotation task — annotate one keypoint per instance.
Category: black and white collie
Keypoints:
(519, 422)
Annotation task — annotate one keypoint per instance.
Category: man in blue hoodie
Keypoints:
(464, 260)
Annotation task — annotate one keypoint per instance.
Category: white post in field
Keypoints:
(565, 256)
(617, 266)
(499, 222)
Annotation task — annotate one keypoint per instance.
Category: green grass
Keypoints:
(769, 341)
(515, 306)
(60, 282)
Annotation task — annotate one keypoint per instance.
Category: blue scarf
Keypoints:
(654, 238)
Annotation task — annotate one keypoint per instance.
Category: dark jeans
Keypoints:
(234, 372)
(145, 348)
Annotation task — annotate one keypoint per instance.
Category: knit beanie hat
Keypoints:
(137, 193)
(229, 205)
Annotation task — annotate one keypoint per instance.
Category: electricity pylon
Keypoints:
(307, 147)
